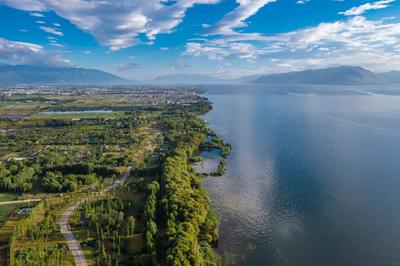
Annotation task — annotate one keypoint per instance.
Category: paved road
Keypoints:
(72, 243)
(19, 201)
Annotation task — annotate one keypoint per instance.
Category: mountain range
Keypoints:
(187, 79)
(343, 75)
(36, 75)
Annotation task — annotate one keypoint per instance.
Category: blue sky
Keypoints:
(228, 38)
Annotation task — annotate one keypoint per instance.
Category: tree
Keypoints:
(131, 225)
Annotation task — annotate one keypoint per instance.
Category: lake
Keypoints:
(314, 175)
(76, 112)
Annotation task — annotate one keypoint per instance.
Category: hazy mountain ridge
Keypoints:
(190, 78)
(344, 75)
(27, 74)
(392, 76)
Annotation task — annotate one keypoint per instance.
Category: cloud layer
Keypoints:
(359, 10)
(27, 53)
(354, 41)
(116, 23)
(236, 18)
(119, 24)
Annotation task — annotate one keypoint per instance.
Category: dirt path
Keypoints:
(73, 244)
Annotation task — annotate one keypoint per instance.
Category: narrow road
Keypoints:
(73, 244)
(19, 201)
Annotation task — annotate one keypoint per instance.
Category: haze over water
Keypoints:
(312, 179)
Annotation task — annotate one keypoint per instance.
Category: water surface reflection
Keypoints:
(312, 179)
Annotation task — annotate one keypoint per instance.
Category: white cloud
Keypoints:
(179, 65)
(357, 33)
(12, 52)
(40, 22)
(29, 5)
(353, 41)
(359, 10)
(230, 42)
(56, 24)
(220, 49)
(52, 30)
(387, 18)
(237, 18)
(302, 2)
(164, 48)
(35, 14)
(116, 23)
(56, 44)
(127, 67)
(211, 50)
(53, 42)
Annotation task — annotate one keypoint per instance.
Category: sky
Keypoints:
(143, 39)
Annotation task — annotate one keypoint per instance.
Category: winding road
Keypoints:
(73, 244)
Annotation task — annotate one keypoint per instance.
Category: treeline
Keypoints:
(117, 130)
(51, 161)
(217, 143)
(190, 224)
(21, 176)
(68, 177)
(109, 221)
(55, 133)
(186, 207)
(17, 176)
(38, 227)
(150, 215)
(42, 254)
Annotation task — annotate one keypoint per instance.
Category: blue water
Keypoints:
(216, 153)
(76, 112)
(313, 178)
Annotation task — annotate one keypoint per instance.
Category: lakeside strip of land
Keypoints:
(62, 158)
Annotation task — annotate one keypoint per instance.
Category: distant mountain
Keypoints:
(27, 74)
(391, 77)
(188, 79)
(344, 75)
(247, 79)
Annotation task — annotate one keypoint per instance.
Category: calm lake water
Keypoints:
(76, 112)
(313, 178)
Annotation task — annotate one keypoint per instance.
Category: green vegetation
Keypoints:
(42, 254)
(107, 220)
(217, 143)
(150, 212)
(161, 215)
